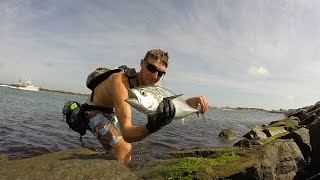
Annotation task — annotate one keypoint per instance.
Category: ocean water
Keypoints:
(31, 124)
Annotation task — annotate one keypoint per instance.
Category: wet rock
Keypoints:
(227, 135)
(316, 112)
(289, 124)
(294, 118)
(314, 107)
(248, 143)
(255, 133)
(314, 132)
(271, 131)
(300, 113)
(3, 158)
(308, 120)
(279, 159)
(302, 138)
(79, 163)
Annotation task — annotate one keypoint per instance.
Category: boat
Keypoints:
(24, 86)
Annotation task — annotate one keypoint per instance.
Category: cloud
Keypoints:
(262, 47)
(290, 98)
(258, 71)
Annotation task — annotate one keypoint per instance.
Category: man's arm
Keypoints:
(130, 133)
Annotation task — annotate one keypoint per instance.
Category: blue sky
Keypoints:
(238, 53)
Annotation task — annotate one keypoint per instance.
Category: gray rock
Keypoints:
(314, 132)
(227, 135)
(308, 120)
(274, 131)
(79, 163)
(302, 138)
(256, 133)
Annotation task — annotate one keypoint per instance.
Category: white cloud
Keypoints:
(232, 45)
(258, 71)
(290, 98)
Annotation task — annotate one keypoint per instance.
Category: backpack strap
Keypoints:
(87, 107)
(131, 74)
(132, 77)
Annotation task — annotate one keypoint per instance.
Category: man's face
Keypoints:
(152, 71)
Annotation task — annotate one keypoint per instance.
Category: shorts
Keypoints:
(105, 128)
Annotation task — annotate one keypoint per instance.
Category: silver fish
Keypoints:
(146, 99)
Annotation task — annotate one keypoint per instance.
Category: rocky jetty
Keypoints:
(284, 149)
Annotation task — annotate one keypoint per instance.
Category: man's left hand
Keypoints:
(196, 101)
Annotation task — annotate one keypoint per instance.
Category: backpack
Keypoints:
(75, 113)
(74, 117)
(102, 73)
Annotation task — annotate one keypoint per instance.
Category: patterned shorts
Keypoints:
(105, 128)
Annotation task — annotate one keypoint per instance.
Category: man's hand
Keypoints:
(198, 101)
(167, 112)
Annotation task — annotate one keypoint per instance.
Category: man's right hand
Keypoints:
(167, 112)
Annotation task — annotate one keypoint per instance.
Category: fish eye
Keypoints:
(143, 93)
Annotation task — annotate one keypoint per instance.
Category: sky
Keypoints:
(237, 53)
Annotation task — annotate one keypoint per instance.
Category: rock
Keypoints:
(289, 124)
(316, 112)
(302, 138)
(294, 118)
(79, 163)
(279, 159)
(203, 153)
(3, 158)
(314, 107)
(271, 131)
(247, 143)
(256, 134)
(314, 132)
(227, 135)
(308, 120)
(301, 114)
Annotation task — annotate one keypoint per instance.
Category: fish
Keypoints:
(146, 99)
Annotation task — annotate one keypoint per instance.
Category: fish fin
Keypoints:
(173, 97)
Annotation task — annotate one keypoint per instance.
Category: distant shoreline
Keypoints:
(65, 92)
(280, 111)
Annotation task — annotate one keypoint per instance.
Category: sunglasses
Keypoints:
(151, 68)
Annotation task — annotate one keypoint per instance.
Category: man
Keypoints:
(112, 93)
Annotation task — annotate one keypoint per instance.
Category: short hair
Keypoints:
(159, 55)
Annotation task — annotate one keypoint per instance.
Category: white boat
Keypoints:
(24, 86)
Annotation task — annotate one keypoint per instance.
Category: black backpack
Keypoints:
(75, 113)
(74, 116)
(102, 73)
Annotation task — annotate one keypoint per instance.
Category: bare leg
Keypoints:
(122, 151)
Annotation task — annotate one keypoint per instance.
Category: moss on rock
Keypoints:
(288, 123)
(189, 167)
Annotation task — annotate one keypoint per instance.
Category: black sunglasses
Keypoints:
(154, 69)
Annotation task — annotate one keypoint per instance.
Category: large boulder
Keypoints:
(79, 163)
(314, 132)
(256, 133)
(227, 135)
(272, 131)
(279, 159)
(302, 138)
